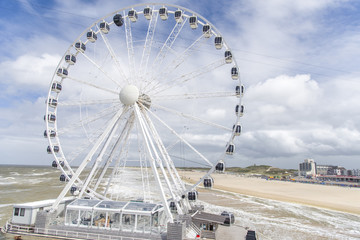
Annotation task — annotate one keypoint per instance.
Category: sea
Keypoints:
(270, 219)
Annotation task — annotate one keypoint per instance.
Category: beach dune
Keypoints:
(343, 199)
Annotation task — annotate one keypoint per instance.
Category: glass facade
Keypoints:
(124, 216)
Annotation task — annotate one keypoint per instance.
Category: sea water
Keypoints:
(271, 219)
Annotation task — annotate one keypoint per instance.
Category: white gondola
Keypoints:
(55, 149)
(52, 102)
(239, 110)
(193, 22)
(230, 149)
(230, 218)
(50, 117)
(207, 30)
(91, 35)
(62, 72)
(220, 166)
(70, 59)
(239, 91)
(228, 56)
(79, 46)
(133, 16)
(208, 182)
(118, 20)
(55, 165)
(147, 13)
(56, 87)
(173, 207)
(192, 195)
(63, 178)
(74, 191)
(179, 18)
(237, 129)
(163, 13)
(235, 73)
(104, 27)
(51, 134)
(218, 42)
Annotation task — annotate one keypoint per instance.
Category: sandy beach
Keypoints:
(331, 197)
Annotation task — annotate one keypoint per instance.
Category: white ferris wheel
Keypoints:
(144, 90)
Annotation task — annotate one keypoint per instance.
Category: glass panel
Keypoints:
(128, 221)
(72, 217)
(114, 220)
(84, 202)
(22, 212)
(140, 206)
(143, 223)
(85, 218)
(111, 205)
(16, 212)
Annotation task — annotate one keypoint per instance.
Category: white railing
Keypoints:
(63, 233)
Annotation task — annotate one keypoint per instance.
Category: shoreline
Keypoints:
(336, 198)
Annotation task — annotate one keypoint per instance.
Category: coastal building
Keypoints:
(324, 169)
(337, 170)
(307, 168)
(353, 172)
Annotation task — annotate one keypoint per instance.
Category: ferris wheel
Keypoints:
(142, 91)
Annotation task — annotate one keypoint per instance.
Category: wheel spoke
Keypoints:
(188, 116)
(188, 76)
(148, 43)
(130, 47)
(151, 150)
(90, 102)
(193, 96)
(114, 57)
(168, 44)
(176, 180)
(92, 118)
(93, 85)
(125, 132)
(100, 68)
(182, 139)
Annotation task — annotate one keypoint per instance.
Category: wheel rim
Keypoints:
(187, 90)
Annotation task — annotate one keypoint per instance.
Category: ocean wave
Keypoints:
(39, 174)
(288, 220)
(7, 181)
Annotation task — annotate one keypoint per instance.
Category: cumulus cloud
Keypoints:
(29, 70)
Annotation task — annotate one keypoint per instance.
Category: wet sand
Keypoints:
(330, 197)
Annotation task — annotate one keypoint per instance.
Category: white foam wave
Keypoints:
(38, 174)
(288, 220)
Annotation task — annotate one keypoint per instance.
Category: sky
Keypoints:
(299, 62)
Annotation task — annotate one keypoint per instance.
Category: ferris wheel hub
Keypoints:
(129, 94)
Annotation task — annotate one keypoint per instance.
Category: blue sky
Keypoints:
(299, 61)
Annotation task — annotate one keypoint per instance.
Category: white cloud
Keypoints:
(216, 113)
(296, 92)
(30, 71)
